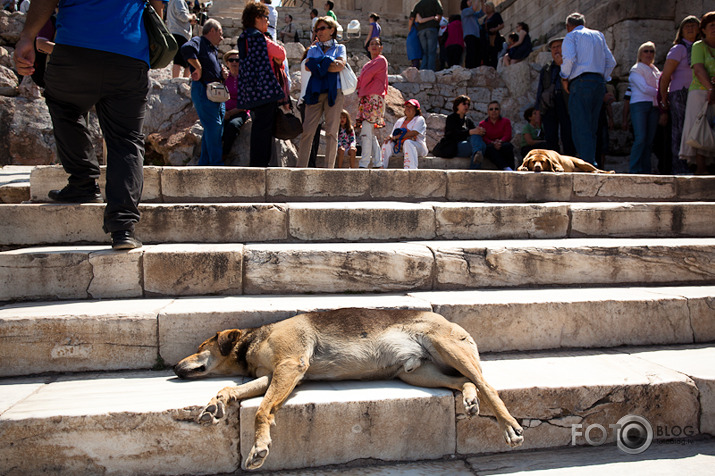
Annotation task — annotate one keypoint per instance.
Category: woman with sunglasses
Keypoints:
(258, 87)
(325, 59)
(643, 80)
(675, 81)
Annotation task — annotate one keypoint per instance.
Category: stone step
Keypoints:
(240, 184)
(15, 183)
(194, 269)
(134, 334)
(359, 221)
(141, 422)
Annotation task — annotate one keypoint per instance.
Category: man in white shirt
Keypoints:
(587, 66)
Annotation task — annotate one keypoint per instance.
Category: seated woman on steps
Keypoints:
(462, 137)
(408, 136)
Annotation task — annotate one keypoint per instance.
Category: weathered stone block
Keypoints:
(605, 187)
(696, 363)
(213, 184)
(549, 394)
(190, 269)
(574, 261)
(465, 221)
(336, 268)
(405, 184)
(361, 221)
(527, 319)
(640, 219)
(213, 223)
(79, 336)
(316, 184)
(74, 273)
(129, 423)
(508, 187)
(368, 419)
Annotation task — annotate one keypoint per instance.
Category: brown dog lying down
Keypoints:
(543, 160)
(418, 347)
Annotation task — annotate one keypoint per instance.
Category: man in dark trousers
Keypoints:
(552, 102)
(100, 59)
(586, 68)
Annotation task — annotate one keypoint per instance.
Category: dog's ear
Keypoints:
(527, 164)
(226, 340)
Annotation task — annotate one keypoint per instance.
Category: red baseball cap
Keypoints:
(414, 102)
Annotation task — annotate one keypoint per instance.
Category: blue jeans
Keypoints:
(211, 117)
(585, 100)
(468, 148)
(428, 41)
(644, 118)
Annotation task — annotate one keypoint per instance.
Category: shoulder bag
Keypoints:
(162, 44)
(701, 134)
(348, 80)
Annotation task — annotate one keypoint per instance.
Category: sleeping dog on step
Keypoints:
(421, 348)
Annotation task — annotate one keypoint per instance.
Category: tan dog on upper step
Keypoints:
(543, 160)
(418, 347)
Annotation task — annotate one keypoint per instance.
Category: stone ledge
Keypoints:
(85, 272)
(232, 184)
(139, 422)
(354, 221)
(134, 333)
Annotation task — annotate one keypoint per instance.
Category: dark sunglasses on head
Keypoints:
(233, 60)
(321, 28)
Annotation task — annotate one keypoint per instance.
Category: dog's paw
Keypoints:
(514, 435)
(471, 405)
(212, 413)
(256, 457)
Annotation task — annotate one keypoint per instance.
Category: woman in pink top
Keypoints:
(372, 88)
(455, 41)
(675, 81)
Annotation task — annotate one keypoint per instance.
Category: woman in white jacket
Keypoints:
(408, 137)
(643, 79)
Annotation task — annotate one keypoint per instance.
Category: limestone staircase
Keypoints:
(591, 297)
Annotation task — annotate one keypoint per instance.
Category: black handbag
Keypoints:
(162, 44)
(287, 125)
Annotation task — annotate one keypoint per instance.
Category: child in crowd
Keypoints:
(346, 141)
(510, 41)
(532, 136)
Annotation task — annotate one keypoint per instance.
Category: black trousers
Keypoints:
(263, 119)
(557, 122)
(116, 85)
(502, 158)
(473, 56)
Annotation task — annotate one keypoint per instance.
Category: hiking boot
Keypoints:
(73, 194)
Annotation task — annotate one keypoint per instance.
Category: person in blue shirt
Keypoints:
(201, 52)
(587, 66)
(472, 11)
(100, 59)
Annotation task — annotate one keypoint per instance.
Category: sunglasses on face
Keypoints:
(321, 28)
(493, 108)
(233, 60)
(648, 51)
